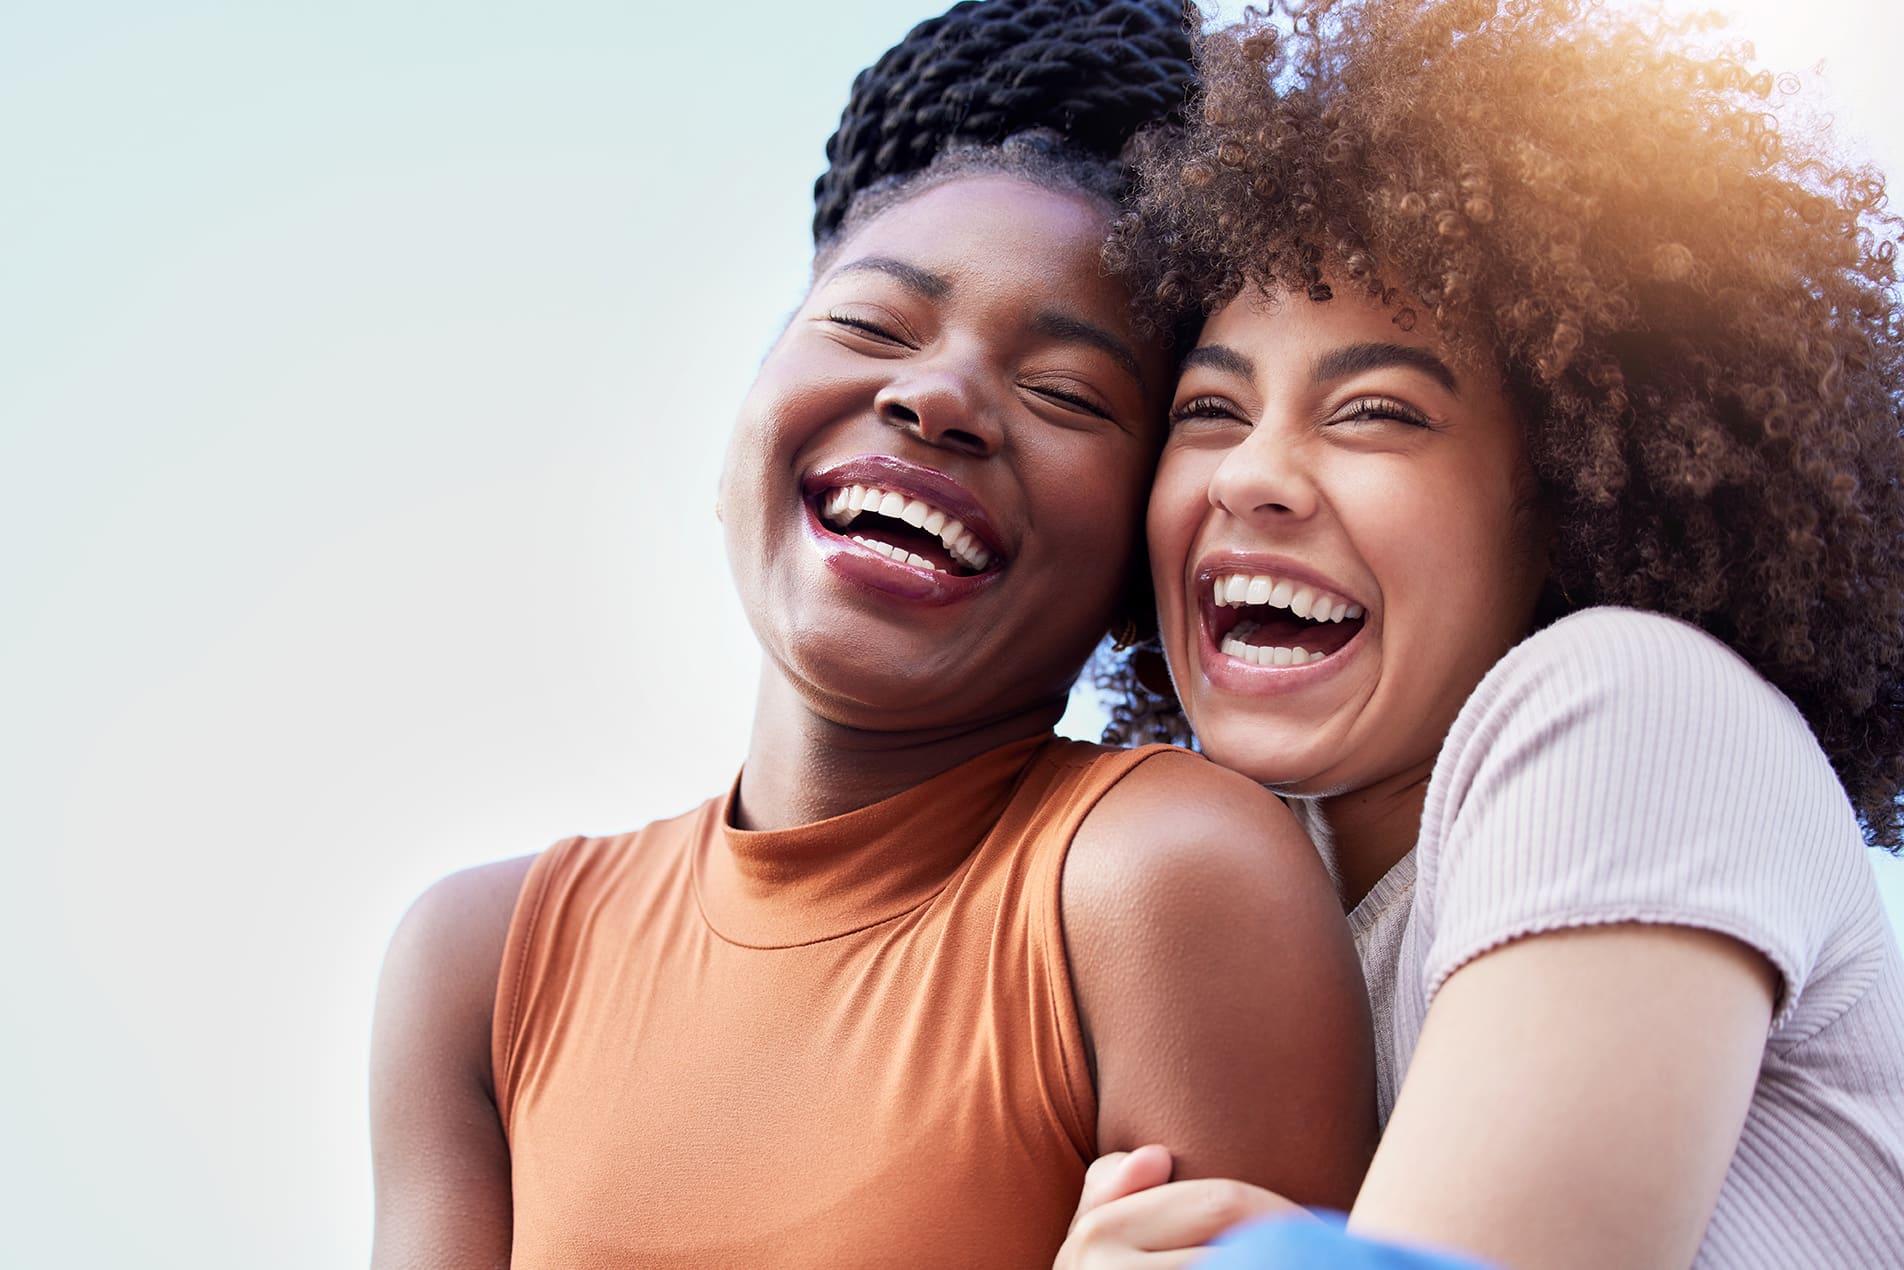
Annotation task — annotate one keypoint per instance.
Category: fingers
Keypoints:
(1122, 1173)
(1168, 1218)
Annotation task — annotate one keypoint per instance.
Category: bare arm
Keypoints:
(1576, 1099)
(437, 1148)
(1217, 984)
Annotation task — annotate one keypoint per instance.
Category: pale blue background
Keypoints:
(364, 373)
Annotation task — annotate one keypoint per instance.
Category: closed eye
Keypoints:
(1071, 399)
(1205, 410)
(1381, 410)
(867, 327)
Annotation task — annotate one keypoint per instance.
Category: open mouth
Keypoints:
(904, 528)
(1269, 621)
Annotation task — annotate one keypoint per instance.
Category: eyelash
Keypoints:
(1370, 408)
(862, 325)
(1362, 410)
(1203, 408)
(1074, 400)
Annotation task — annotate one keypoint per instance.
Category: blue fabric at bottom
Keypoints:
(1286, 1243)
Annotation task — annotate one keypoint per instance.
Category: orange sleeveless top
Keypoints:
(847, 1043)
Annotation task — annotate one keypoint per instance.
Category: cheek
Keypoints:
(1450, 561)
(1178, 500)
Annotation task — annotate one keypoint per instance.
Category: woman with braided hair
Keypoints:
(1530, 516)
(882, 1001)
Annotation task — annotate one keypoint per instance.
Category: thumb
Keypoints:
(1122, 1173)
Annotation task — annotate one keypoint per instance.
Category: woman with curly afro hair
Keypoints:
(1530, 520)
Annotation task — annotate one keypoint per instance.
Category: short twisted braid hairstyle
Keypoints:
(1693, 298)
(1089, 73)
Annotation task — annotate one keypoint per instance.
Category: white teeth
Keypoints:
(896, 553)
(1235, 590)
(1264, 655)
(844, 504)
(836, 508)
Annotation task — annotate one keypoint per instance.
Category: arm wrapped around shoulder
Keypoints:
(1622, 766)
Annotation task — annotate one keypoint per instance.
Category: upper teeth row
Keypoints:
(848, 501)
(1234, 590)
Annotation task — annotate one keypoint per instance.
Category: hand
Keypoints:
(1131, 1218)
(1122, 1173)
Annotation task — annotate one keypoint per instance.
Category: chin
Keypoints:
(1279, 755)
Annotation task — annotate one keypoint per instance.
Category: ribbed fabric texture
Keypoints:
(1621, 766)
(841, 1044)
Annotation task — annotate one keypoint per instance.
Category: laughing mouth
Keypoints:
(1270, 621)
(904, 528)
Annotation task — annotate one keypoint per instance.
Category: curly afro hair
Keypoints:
(1694, 301)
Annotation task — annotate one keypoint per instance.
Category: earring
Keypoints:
(1124, 635)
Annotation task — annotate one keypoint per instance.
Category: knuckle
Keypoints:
(1224, 1202)
(1089, 1232)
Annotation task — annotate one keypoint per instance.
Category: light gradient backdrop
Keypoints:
(364, 375)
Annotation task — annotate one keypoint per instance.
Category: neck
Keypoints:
(1364, 833)
(803, 766)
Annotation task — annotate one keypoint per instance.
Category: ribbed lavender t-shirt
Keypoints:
(1621, 766)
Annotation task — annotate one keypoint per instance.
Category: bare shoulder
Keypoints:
(438, 986)
(1179, 820)
(455, 930)
(1210, 962)
(437, 1147)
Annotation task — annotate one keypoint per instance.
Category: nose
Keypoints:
(1266, 477)
(942, 404)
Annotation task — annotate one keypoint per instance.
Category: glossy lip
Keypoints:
(879, 573)
(1228, 674)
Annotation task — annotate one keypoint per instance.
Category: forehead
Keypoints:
(995, 226)
(1294, 323)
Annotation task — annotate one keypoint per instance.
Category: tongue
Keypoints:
(1279, 628)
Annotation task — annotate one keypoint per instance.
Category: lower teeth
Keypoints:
(896, 553)
(1262, 655)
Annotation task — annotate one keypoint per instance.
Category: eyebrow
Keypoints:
(1354, 359)
(1336, 364)
(931, 285)
(1073, 329)
(1219, 357)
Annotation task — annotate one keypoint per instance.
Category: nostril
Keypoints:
(902, 414)
(964, 440)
